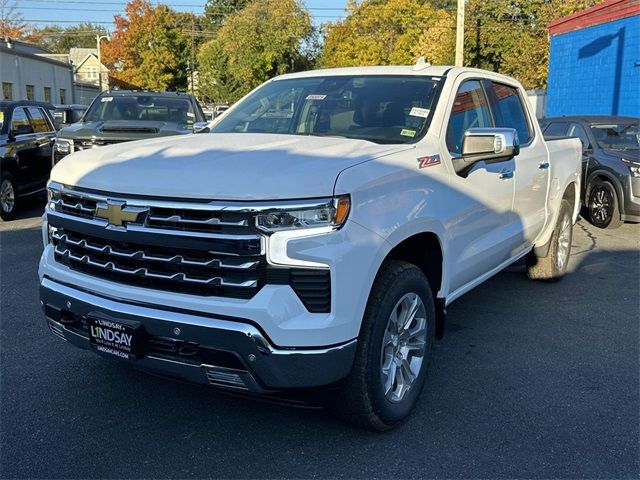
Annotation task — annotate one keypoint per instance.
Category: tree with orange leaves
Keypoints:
(148, 48)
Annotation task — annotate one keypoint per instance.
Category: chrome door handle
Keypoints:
(505, 174)
(543, 165)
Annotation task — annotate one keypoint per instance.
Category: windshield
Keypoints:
(617, 136)
(141, 108)
(381, 109)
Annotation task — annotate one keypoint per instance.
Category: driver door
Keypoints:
(483, 229)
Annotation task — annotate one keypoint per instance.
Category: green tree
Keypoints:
(389, 32)
(60, 39)
(511, 37)
(265, 39)
(217, 11)
(148, 48)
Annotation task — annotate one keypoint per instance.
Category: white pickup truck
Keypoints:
(314, 238)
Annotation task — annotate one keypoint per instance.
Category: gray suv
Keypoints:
(610, 165)
(126, 115)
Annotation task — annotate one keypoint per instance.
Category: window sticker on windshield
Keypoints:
(106, 99)
(315, 97)
(419, 112)
(408, 133)
(278, 115)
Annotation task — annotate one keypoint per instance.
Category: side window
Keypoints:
(469, 111)
(19, 118)
(509, 112)
(576, 130)
(39, 120)
(556, 129)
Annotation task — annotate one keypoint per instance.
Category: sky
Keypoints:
(68, 12)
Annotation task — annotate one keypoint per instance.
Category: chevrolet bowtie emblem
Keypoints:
(117, 213)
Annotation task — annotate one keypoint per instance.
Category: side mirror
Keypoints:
(487, 144)
(22, 129)
(201, 127)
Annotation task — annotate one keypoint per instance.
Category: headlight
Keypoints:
(634, 167)
(63, 146)
(330, 214)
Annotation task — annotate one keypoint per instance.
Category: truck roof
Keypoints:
(418, 69)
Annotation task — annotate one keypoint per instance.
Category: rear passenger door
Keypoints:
(44, 133)
(531, 171)
(22, 147)
(483, 229)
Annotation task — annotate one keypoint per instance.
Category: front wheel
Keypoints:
(604, 211)
(7, 197)
(554, 265)
(393, 351)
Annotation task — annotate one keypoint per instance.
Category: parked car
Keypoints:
(219, 110)
(26, 136)
(610, 165)
(314, 238)
(125, 115)
(65, 115)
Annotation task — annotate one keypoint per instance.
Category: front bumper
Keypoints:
(211, 350)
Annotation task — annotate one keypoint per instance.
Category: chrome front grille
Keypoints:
(189, 270)
(196, 248)
(180, 216)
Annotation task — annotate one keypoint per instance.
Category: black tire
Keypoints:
(8, 208)
(602, 205)
(554, 265)
(362, 400)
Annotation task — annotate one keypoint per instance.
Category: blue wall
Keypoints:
(596, 70)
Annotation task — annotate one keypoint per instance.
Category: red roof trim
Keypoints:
(602, 13)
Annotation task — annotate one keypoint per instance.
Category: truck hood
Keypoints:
(220, 166)
(122, 130)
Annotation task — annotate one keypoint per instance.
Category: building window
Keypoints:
(31, 95)
(63, 96)
(7, 91)
(47, 94)
(92, 73)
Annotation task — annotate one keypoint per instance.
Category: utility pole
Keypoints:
(98, 38)
(193, 47)
(460, 34)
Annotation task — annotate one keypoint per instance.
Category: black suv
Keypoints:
(610, 165)
(27, 134)
(125, 115)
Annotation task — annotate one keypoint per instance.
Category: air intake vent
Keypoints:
(56, 330)
(225, 378)
(132, 129)
(313, 287)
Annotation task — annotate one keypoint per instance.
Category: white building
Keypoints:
(27, 75)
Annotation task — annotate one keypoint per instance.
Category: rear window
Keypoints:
(509, 112)
(39, 120)
(556, 129)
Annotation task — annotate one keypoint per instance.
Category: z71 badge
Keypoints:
(429, 161)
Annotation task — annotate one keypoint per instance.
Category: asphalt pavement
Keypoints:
(532, 380)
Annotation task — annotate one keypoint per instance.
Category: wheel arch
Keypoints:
(607, 176)
(424, 250)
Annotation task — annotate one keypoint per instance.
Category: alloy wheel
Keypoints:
(403, 347)
(564, 243)
(601, 205)
(7, 196)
